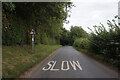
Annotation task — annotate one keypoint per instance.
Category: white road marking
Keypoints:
(52, 64)
(53, 67)
(74, 64)
(48, 65)
(62, 66)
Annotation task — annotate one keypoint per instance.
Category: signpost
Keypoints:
(32, 32)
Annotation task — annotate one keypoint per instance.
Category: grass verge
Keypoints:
(101, 58)
(18, 59)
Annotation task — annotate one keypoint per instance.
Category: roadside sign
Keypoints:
(32, 32)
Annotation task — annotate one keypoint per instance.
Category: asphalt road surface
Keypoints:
(69, 63)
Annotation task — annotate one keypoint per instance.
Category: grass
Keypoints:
(18, 59)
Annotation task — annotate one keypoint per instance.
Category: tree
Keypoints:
(64, 39)
(78, 32)
(45, 17)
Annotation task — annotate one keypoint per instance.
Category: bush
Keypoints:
(82, 43)
(106, 42)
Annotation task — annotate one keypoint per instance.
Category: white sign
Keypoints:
(51, 66)
(32, 32)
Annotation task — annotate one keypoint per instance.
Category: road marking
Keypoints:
(74, 64)
(66, 65)
(51, 66)
(54, 66)
(48, 65)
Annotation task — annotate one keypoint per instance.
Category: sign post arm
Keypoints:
(32, 42)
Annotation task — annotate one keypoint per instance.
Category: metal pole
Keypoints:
(32, 42)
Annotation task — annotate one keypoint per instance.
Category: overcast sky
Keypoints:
(88, 13)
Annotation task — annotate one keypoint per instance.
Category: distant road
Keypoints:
(69, 63)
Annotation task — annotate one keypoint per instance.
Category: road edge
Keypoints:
(101, 62)
(34, 68)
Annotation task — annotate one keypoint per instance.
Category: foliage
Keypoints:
(65, 38)
(68, 37)
(82, 43)
(102, 43)
(46, 18)
(77, 32)
(106, 42)
(8, 6)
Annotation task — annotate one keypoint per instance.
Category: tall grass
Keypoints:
(18, 59)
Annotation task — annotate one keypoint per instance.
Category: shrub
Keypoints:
(106, 42)
(82, 43)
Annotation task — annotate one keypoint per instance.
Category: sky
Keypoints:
(88, 13)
